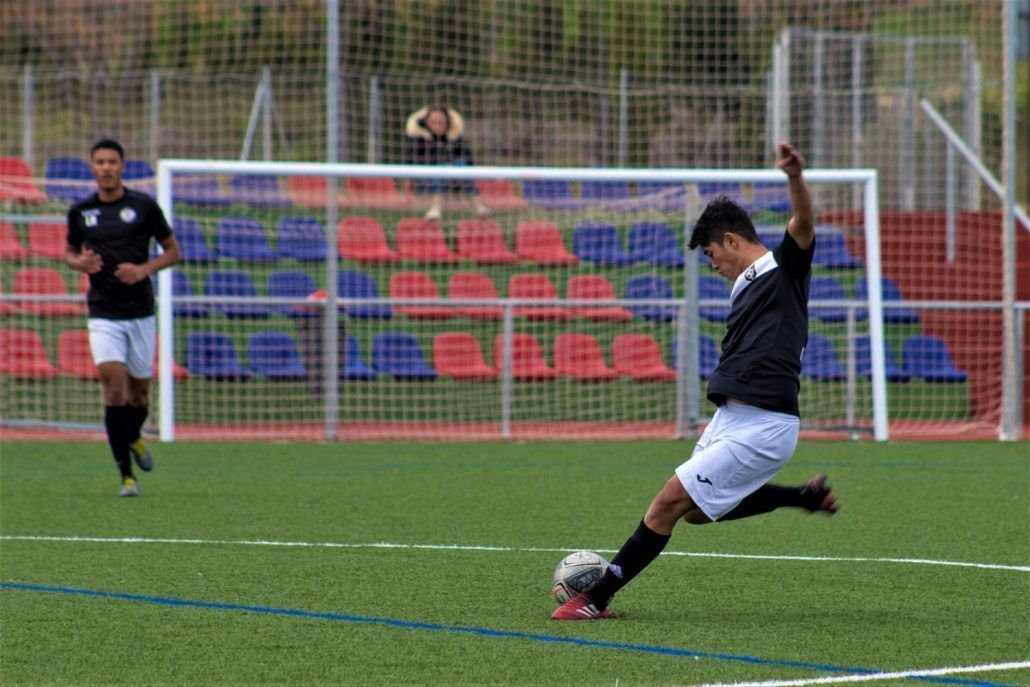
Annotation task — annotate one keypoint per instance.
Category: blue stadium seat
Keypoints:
(354, 284)
(181, 287)
(889, 291)
(771, 197)
(192, 243)
(864, 361)
(600, 244)
(708, 355)
(662, 195)
(710, 190)
(772, 236)
(554, 195)
(139, 176)
(291, 284)
(301, 238)
(77, 175)
(213, 356)
(243, 238)
(398, 354)
(714, 287)
(831, 251)
(234, 284)
(651, 286)
(258, 190)
(827, 289)
(928, 357)
(655, 243)
(274, 355)
(603, 191)
(199, 189)
(352, 366)
(820, 360)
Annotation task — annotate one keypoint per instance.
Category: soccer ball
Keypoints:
(578, 572)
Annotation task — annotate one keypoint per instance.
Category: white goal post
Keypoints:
(688, 395)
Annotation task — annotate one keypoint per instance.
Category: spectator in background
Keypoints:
(435, 137)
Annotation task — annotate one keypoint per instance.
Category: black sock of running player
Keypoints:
(117, 422)
(139, 416)
(642, 547)
(767, 498)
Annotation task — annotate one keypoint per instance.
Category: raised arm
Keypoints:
(802, 224)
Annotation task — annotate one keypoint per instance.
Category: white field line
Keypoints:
(502, 549)
(868, 677)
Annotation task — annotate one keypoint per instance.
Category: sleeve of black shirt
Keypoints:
(158, 223)
(75, 236)
(792, 259)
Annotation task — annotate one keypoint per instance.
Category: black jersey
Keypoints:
(766, 332)
(119, 232)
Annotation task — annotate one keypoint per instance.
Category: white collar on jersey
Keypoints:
(759, 267)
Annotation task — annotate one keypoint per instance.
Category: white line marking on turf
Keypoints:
(502, 549)
(866, 677)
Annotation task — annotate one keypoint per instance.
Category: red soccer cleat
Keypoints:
(580, 608)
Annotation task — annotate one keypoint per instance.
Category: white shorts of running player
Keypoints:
(741, 449)
(130, 342)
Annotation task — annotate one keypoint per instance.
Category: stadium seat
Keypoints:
(48, 240)
(24, 355)
(832, 252)
(68, 179)
(769, 197)
(423, 241)
(301, 238)
(199, 189)
(44, 281)
(181, 286)
(662, 195)
(711, 190)
(928, 357)
(139, 176)
(499, 194)
(6, 307)
(600, 244)
(399, 354)
(213, 356)
(10, 246)
(654, 243)
(474, 286)
(458, 355)
(352, 366)
(417, 285)
(274, 355)
(362, 239)
(579, 356)
(234, 284)
(354, 284)
(827, 289)
(601, 191)
(540, 287)
(192, 242)
(243, 238)
(527, 358)
(291, 284)
(74, 356)
(482, 241)
(889, 291)
(540, 241)
(371, 192)
(595, 287)
(708, 355)
(820, 360)
(17, 184)
(714, 287)
(649, 286)
(864, 361)
(257, 190)
(639, 356)
(312, 192)
(553, 195)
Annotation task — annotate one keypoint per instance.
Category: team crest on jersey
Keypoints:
(90, 217)
(127, 215)
(751, 273)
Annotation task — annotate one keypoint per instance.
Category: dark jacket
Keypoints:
(423, 148)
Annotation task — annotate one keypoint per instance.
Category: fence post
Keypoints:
(906, 128)
(623, 114)
(332, 211)
(375, 108)
(506, 369)
(155, 114)
(949, 201)
(26, 115)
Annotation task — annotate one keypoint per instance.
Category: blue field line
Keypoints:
(481, 631)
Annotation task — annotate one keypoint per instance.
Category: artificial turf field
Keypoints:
(429, 564)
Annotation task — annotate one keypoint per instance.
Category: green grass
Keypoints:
(950, 502)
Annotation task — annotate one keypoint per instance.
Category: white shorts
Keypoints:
(130, 342)
(741, 449)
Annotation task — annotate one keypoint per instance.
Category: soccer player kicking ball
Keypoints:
(109, 239)
(755, 428)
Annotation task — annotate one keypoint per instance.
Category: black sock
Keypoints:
(117, 421)
(767, 498)
(642, 547)
(137, 415)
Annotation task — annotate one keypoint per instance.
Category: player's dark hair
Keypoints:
(108, 144)
(722, 215)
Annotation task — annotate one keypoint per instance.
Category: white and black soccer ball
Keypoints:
(576, 573)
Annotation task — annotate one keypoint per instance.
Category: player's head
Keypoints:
(107, 160)
(727, 236)
(437, 120)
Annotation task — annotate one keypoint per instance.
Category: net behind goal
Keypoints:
(572, 309)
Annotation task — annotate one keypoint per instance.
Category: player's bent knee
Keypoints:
(696, 517)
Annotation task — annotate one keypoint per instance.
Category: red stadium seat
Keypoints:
(482, 240)
(362, 239)
(16, 184)
(74, 356)
(6, 308)
(24, 356)
(43, 281)
(420, 240)
(499, 194)
(536, 286)
(527, 358)
(474, 286)
(540, 241)
(374, 192)
(10, 246)
(417, 285)
(639, 356)
(595, 287)
(48, 240)
(458, 355)
(579, 356)
(312, 192)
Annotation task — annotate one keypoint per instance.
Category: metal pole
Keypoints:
(266, 113)
(165, 319)
(818, 106)
(255, 111)
(26, 115)
(623, 114)
(906, 128)
(874, 277)
(331, 383)
(1011, 421)
(852, 373)
(375, 107)
(856, 112)
(972, 120)
(949, 202)
(155, 115)
(507, 335)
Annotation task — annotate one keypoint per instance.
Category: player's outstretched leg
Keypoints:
(815, 495)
